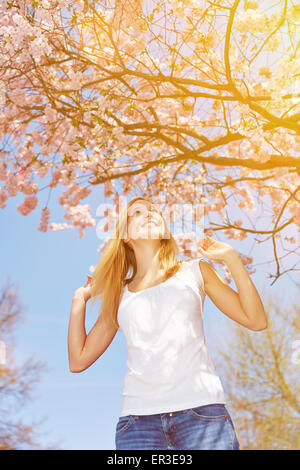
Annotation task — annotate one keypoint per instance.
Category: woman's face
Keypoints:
(144, 221)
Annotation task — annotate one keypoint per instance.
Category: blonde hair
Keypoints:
(109, 277)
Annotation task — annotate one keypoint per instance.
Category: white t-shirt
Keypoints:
(169, 365)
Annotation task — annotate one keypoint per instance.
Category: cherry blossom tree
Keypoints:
(192, 101)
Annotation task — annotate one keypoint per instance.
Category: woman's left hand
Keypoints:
(215, 250)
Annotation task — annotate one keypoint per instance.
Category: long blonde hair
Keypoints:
(109, 277)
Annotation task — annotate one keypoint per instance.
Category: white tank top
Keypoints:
(169, 365)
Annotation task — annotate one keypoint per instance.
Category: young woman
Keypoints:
(172, 395)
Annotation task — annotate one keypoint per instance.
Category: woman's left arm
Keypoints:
(245, 307)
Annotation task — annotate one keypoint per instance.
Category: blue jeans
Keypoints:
(201, 428)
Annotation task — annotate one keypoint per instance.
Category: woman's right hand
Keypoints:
(84, 292)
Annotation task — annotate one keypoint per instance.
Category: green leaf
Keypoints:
(66, 159)
(74, 17)
(80, 141)
(75, 123)
(187, 107)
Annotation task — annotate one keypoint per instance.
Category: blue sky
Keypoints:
(80, 411)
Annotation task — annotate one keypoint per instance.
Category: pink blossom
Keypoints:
(3, 198)
(80, 215)
(50, 113)
(37, 137)
(74, 194)
(44, 220)
(28, 205)
(108, 188)
(3, 174)
(55, 227)
(63, 175)
(29, 188)
(41, 169)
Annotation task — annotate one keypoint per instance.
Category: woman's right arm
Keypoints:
(83, 349)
